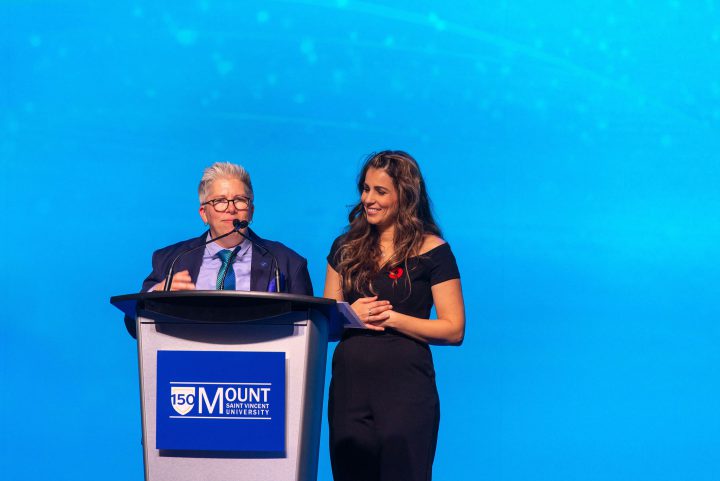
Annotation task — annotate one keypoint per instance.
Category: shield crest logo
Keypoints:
(182, 398)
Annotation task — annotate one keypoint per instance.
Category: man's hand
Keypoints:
(181, 282)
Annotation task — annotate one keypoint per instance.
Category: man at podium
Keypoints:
(239, 259)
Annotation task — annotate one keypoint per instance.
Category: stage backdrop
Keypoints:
(570, 149)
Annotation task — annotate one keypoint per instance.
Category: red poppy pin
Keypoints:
(396, 273)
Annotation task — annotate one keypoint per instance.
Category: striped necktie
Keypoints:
(227, 257)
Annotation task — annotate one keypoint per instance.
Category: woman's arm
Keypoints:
(448, 328)
(333, 289)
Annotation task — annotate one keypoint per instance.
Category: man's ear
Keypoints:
(203, 215)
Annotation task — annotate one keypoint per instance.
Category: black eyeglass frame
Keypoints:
(245, 203)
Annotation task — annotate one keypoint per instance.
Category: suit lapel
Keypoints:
(193, 260)
(260, 266)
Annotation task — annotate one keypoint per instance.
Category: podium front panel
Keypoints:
(301, 337)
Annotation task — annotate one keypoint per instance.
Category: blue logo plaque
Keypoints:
(221, 401)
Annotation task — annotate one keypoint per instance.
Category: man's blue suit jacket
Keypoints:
(293, 267)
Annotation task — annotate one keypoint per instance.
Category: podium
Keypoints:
(231, 382)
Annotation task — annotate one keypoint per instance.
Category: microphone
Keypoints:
(241, 224)
(237, 224)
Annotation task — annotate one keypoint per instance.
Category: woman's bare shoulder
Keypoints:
(430, 242)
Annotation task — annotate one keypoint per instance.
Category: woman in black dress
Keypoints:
(391, 265)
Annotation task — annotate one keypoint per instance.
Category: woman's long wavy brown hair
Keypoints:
(359, 257)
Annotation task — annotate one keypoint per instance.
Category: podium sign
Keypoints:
(221, 401)
(231, 382)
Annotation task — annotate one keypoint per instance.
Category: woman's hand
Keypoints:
(448, 328)
(371, 312)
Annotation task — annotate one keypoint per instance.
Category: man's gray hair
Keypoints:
(221, 170)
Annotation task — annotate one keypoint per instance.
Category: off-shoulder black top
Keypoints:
(407, 287)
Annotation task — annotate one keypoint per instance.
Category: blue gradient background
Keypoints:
(571, 151)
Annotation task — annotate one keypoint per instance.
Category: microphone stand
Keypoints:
(237, 225)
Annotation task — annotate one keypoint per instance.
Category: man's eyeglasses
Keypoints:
(221, 205)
